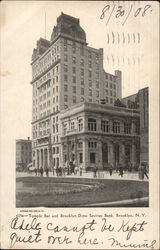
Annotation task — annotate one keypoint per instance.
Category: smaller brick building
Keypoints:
(23, 152)
(140, 100)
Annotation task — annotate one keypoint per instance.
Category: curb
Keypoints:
(116, 203)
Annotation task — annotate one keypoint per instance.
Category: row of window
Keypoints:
(111, 93)
(111, 85)
(92, 126)
(81, 81)
(75, 45)
(55, 109)
(72, 126)
(81, 64)
(55, 128)
(44, 132)
(45, 113)
(45, 105)
(55, 99)
(44, 96)
(55, 150)
(25, 147)
(42, 65)
(110, 77)
(116, 127)
(74, 99)
(81, 74)
(80, 156)
(82, 93)
(44, 124)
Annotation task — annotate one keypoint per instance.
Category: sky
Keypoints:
(23, 23)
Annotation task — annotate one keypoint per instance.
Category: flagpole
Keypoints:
(45, 25)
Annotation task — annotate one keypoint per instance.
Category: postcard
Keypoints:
(79, 125)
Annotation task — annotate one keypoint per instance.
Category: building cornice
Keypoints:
(99, 109)
(45, 117)
(109, 134)
(44, 72)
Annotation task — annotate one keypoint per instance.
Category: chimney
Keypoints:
(28, 138)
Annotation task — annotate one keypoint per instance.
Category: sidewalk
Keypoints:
(100, 175)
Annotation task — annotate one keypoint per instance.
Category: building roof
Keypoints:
(23, 140)
(98, 108)
(70, 26)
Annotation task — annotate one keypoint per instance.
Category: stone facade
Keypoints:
(100, 135)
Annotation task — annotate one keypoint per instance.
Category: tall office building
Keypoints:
(65, 71)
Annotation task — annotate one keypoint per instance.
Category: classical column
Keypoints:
(75, 150)
(42, 158)
(40, 163)
(111, 126)
(110, 153)
(122, 153)
(85, 154)
(99, 155)
(122, 127)
(133, 155)
(46, 158)
(37, 158)
(49, 156)
(62, 154)
(68, 156)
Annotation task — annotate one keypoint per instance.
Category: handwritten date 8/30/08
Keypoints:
(120, 12)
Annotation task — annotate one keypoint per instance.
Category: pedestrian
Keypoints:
(57, 171)
(144, 169)
(80, 170)
(130, 166)
(63, 170)
(35, 170)
(53, 171)
(38, 171)
(95, 171)
(41, 171)
(121, 171)
(47, 172)
(75, 170)
(110, 170)
(140, 172)
(60, 171)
